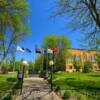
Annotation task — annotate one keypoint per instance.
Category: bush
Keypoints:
(77, 65)
(11, 79)
(4, 69)
(81, 97)
(13, 90)
(17, 85)
(87, 67)
(98, 97)
(67, 95)
(7, 98)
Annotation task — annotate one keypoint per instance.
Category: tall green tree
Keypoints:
(31, 65)
(50, 41)
(77, 66)
(83, 15)
(60, 42)
(87, 66)
(98, 58)
(13, 24)
(38, 66)
(60, 60)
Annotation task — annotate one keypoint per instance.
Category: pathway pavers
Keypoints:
(36, 88)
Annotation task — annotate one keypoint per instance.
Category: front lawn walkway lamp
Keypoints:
(49, 55)
(54, 50)
(24, 64)
(51, 63)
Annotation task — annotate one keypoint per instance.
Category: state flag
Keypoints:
(49, 51)
(38, 50)
(54, 50)
(27, 50)
(18, 48)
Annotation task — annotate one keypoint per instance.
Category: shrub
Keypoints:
(4, 69)
(17, 85)
(98, 97)
(7, 98)
(67, 95)
(87, 67)
(81, 97)
(77, 65)
(11, 79)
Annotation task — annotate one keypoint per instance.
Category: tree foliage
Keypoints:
(98, 58)
(77, 65)
(31, 65)
(50, 41)
(38, 66)
(60, 42)
(87, 66)
(13, 24)
(83, 15)
(60, 60)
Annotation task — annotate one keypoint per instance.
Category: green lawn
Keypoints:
(88, 84)
(4, 85)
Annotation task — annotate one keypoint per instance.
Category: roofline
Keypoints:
(81, 49)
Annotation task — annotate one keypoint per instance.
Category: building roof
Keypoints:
(83, 49)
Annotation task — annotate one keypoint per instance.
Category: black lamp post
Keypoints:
(24, 63)
(48, 54)
(45, 69)
(22, 80)
(51, 63)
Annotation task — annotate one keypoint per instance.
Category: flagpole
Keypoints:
(14, 58)
(34, 54)
(43, 60)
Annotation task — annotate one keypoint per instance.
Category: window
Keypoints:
(70, 67)
(77, 57)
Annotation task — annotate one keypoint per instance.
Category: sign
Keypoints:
(20, 75)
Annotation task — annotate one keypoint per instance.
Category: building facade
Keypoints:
(81, 56)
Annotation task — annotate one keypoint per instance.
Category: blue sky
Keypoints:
(41, 25)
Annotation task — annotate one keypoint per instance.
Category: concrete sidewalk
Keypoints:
(37, 89)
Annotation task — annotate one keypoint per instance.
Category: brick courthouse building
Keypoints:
(81, 56)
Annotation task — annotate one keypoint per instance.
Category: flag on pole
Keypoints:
(54, 50)
(38, 50)
(18, 48)
(49, 51)
(27, 50)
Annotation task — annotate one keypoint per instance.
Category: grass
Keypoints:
(4, 85)
(79, 83)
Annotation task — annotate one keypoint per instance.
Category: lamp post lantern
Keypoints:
(24, 64)
(49, 52)
(51, 63)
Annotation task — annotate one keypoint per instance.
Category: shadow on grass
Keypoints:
(4, 87)
(84, 85)
(94, 75)
(70, 78)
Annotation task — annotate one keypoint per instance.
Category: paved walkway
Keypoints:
(37, 89)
